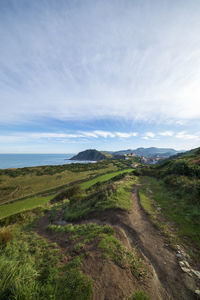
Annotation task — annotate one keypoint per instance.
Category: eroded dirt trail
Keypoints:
(177, 284)
(168, 281)
(172, 283)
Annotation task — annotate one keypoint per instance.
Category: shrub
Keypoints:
(140, 295)
(5, 236)
(66, 194)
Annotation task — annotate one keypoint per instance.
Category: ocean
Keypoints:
(33, 160)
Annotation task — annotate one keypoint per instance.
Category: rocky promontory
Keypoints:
(90, 154)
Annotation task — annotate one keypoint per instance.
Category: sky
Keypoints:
(104, 74)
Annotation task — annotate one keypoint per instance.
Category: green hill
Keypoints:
(90, 154)
(175, 186)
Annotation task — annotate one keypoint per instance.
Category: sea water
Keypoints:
(33, 160)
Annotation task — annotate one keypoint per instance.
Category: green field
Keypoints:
(106, 195)
(26, 182)
(33, 202)
(22, 205)
(103, 178)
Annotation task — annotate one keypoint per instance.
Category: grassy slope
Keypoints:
(175, 186)
(40, 179)
(114, 194)
(31, 268)
(23, 205)
(103, 178)
(32, 202)
(180, 211)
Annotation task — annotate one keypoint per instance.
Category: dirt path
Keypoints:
(177, 284)
(169, 281)
(173, 283)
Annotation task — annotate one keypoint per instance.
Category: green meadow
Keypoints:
(46, 186)
(103, 178)
(23, 205)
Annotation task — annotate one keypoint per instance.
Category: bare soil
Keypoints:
(165, 279)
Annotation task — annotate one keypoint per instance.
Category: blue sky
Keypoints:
(104, 74)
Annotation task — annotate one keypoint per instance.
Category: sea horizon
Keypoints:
(22, 160)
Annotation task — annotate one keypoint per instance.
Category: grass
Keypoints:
(82, 235)
(123, 257)
(32, 202)
(31, 268)
(89, 231)
(146, 202)
(103, 178)
(176, 208)
(23, 205)
(140, 295)
(102, 196)
(27, 182)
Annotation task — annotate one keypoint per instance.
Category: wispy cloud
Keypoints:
(104, 134)
(149, 135)
(126, 134)
(167, 133)
(186, 136)
(23, 136)
(63, 62)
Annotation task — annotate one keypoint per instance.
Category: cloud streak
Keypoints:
(61, 136)
(100, 60)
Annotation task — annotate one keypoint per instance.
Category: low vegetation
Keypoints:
(178, 209)
(25, 182)
(140, 295)
(115, 193)
(23, 205)
(80, 238)
(175, 186)
(103, 178)
(31, 268)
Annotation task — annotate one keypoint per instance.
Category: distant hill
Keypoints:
(149, 152)
(90, 154)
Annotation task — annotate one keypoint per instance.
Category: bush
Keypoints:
(66, 194)
(5, 236)
(140, 295)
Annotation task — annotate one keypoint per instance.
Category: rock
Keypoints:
(179, 256)
(186, 264)
(197, 292)
(197, 273)
(181, 263)
(186, 270)
(61, 222)
(90, 154)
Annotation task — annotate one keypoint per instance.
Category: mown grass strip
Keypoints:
(23, 205)
(103, 178)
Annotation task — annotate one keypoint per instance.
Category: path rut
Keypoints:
(170, 281)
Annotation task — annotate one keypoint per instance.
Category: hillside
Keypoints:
(148, 152)
(90, 154)
(176, 182)
(83, 234)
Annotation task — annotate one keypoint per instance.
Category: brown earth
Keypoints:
(165, 280)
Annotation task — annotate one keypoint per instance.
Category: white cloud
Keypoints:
(89, 134)
(150, 134)
(126, 134)
(167, 133)
(63, 62)
(25, 136)
(52, 135)
(104, 134)
(184, 135)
